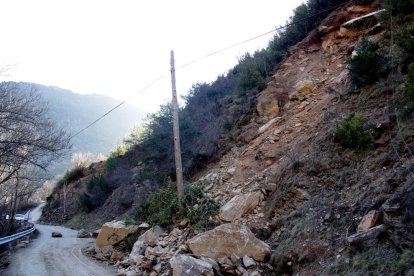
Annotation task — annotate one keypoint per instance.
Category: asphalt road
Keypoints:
(55, 256)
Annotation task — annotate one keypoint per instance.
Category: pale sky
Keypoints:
(116, 48)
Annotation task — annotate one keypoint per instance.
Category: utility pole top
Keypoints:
(176, 132)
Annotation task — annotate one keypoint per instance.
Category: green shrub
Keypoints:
(111, 163)
(400, 7)
(114, 156)
(403, 262)
(70, 176)
(86, 203)
(160, 208)
(350, 133)
(405, 38)
(409, 90)
(97, 191)
(200, 214)
(369, 65)
(163, 207)
(97, 182)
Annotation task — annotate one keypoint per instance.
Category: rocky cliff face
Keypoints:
(319, 208)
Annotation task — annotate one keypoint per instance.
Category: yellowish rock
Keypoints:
(305, 87)
(113, 232)
(268, 107)
(286, 65)
(368, 221)
(240, 205)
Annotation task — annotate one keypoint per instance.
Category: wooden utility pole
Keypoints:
(64, 201)
(176, 130)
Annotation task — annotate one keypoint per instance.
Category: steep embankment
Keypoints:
(291, 182)
(316, 192)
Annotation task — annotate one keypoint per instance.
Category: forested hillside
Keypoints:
(73, 112)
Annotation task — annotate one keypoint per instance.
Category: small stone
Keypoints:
(151, 235)
(234, 259)
(176, 232)
(223, 260)
(184, 265)
(248, 262)
(368, 221)
(83, 234)
(301, 194)
(163, 243)
(184, 223)
(158, 267)
(213, 263)
(241, 270)
(21, 245)
(144, 226)
(96, 233)
(116, 256)
(56, 234)
(137, 251)
(156, 251)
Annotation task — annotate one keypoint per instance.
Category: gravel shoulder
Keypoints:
(55, 256)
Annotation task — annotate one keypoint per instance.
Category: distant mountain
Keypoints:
(73, 112)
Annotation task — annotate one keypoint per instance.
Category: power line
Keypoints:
(204, 57)
(119, 105)
(261, 35)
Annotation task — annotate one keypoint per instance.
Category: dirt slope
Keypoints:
(316, 192)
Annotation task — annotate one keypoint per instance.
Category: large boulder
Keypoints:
(229, 240)
(114, 232)
(240, 205)
(184, 265)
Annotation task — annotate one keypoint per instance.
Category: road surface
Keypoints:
(47, 256)
(34, 215)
